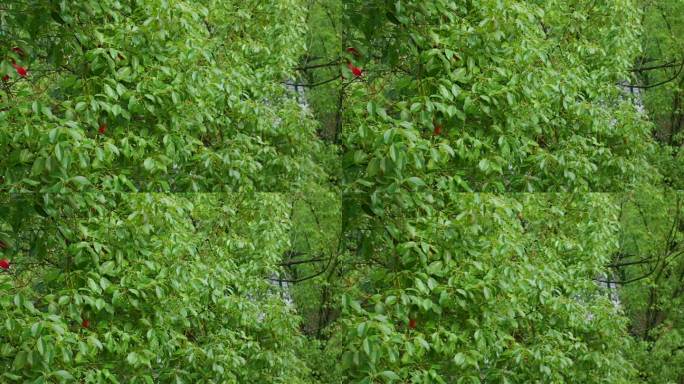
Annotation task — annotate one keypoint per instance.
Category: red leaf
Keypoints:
(20, 70)
(85, 323)
(4, 264)
(355, 70)
(438, 130)
(412, 323)
(102, 129)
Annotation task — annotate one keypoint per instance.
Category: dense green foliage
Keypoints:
(152, 96)
(650, 262)
(453, 199)
(660, 71)
(500, 289)
(171, 288)
(524, 92)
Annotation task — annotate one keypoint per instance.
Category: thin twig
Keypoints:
(314, 84)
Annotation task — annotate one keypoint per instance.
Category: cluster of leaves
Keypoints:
(495, 96)
(483, 96)
(660, 78)
(149, 95)
(315, 242)
(472, 288)
(152, 95)
(401, 277)
(146, 288)
(649, 265)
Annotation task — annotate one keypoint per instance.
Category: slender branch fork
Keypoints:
(671, 64)
(674, 77)
(660, 261)
(314, 84)
(329, 64)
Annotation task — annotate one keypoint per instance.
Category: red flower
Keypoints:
(102, 129)
(85, 323)
(5, 78)
(353, 51)
(4, 264)
(412, 323)
(355, 70)
(20, 70)
(438, 130)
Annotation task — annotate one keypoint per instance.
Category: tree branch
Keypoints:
(314, 84)
(667, 65)
(679, 72)
(293, 281)
(296, 262)
(330, 64)
(642, 261)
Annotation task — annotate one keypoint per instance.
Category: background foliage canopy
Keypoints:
(174, 209)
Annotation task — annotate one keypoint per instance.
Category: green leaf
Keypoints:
(390, 375)
(415, 181)
(132, 358)
(40, 346)
(459, 359)
(63, 375)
